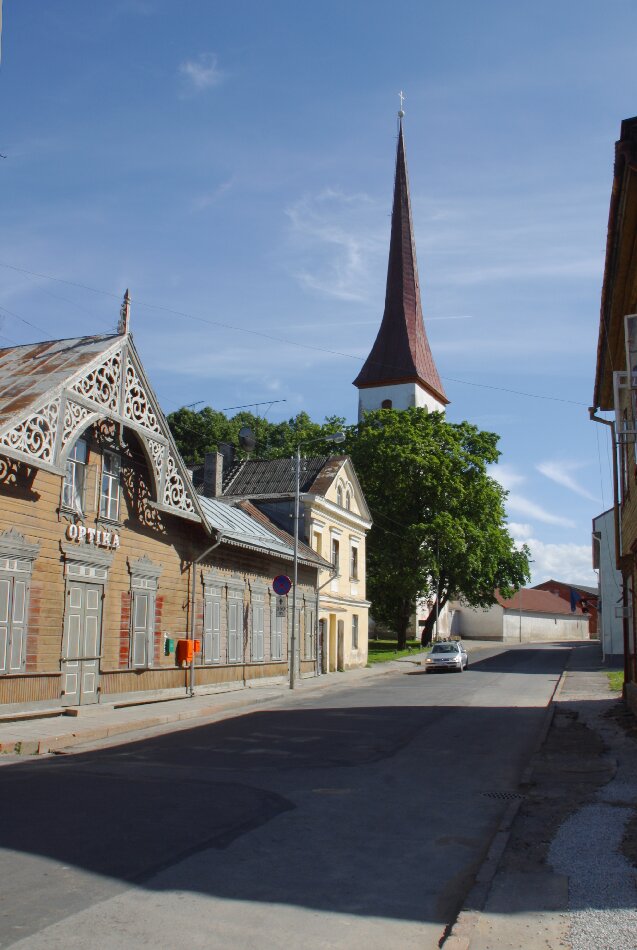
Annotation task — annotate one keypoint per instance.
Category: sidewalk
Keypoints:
(560, 877)
(38, 736)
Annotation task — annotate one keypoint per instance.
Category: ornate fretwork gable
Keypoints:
(112, 387)
(33, 439)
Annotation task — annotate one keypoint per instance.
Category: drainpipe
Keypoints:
(611, 423)
(618, 556)
(197, 560)
(318, 592)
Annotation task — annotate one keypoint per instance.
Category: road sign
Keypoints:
(281, 585)
(281, 606)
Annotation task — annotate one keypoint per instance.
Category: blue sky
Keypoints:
(235, 165)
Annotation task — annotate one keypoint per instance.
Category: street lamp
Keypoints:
(335, 437)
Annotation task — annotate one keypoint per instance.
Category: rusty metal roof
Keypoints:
(28, 372)
(401, 352)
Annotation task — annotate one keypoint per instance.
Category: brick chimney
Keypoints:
(212, 474)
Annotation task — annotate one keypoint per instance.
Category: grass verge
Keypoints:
(382, 651)
(616, 680)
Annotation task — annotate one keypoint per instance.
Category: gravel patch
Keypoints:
(587, 848)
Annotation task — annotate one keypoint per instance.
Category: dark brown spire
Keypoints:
(401, 352)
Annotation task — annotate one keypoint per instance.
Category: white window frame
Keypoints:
(355, 631)
(144, 582)
(354, 562)
(110, 487)
(277, 626)
(74, 484)
(16, 566)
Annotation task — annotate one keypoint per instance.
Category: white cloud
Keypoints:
(203, 72)
(336, 245)
(560, 473)
(530, 509)
(565, 562)
(519, 530)
(208, 198)
(506, 475)
(519, 504)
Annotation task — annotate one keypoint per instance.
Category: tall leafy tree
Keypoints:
(439, 519)
(199, 432)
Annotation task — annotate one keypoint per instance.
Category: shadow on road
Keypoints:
(370, 833)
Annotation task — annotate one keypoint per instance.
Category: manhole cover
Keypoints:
(503, 796)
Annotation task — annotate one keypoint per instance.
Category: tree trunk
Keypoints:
(402, 626)
(430, 622)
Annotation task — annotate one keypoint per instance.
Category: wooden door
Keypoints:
(81, 644)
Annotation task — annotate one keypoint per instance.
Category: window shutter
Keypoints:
(5, 606)
(141, 611)
(233, 631)
(257, 632)
(18, 627)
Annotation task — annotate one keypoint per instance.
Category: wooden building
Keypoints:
(111, 568)
(616, 381)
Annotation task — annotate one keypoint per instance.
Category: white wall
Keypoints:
(402, 395)
(475, 624)
(610, 627)
(537, 626)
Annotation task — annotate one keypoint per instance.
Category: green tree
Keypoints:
(439, 519)
(199, 432)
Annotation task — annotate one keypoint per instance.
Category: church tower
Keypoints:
(400, 371)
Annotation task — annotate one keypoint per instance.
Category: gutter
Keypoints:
(197, 560)
(611, 424)
(333, 574)
(618, 556)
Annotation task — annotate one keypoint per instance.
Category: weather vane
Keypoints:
(402, 99)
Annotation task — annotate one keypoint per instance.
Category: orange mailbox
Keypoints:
(186, 650)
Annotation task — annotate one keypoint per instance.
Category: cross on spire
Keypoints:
(401, 96)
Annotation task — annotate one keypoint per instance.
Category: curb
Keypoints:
(461, 931)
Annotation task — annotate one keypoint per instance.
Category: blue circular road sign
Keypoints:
(281, 585)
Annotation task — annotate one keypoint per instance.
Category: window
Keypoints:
(144, 582)
(353, 562)
(335, 555)
(348, 500)
(339, 496)
(386, 404)
(355, 632)
(309, 633)
(16, 564)
(318, 542)
(235, 623)
(257, 627)
(74, 478)
(143, 614)
(276, 631)
(109, 491)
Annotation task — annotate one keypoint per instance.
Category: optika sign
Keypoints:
(84, 535)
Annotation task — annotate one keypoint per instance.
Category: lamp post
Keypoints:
(336, 437)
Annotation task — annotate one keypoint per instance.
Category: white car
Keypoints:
(447, 655)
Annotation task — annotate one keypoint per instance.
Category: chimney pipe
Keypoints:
(213, 474)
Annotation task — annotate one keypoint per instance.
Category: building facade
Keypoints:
(616, 380)
(610, 600)
(111, 571)
(529, 616)
(333, 522)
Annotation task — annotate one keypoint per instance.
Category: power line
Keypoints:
(267, 336)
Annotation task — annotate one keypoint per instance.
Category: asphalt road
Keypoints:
(353, 817)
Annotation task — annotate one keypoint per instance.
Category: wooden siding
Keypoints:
(30, 504)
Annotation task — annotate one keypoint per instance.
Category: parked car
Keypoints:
(447, 655)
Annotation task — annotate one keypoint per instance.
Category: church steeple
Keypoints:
(400, 369)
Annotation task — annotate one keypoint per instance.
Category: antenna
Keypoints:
(401, 111)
